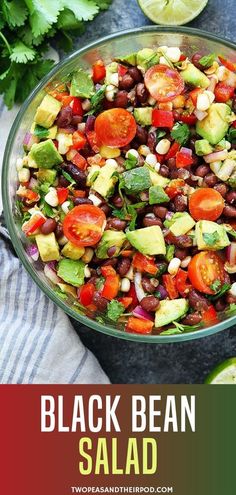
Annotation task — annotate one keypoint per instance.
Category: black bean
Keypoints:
(121, 99)
(149, 221)
(48, 226)
(171, 162)
(148, 285)
(117, 201)
(111, 251)
(229, 211)
(111, 262)
(222, 189)
(63, 182)
(124, 266)
(180, 203)
(141, 134)
(197, 301)
(59, 231)
(76, 119)
(195, 60)
(220, 305)
(78, 175)
(150, 303)
(151, 141)
(89, 126)
(99, 301)
(64, 117)
(82, 201)
(164, 171)
(192, 319)
(210, 180)
(136, 74)
(142, 93)
(160, 211)
(181, 253)
(106, 209)
(116, 224)
(126, 82)
(231, 197)
(202, 170)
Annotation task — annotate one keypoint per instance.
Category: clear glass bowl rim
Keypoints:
(106, 329)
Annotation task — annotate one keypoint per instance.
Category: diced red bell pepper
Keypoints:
(79, 161)
(93, 141)
(160, 158)
(126, 301)
(86, 294)
(99, 71)
(96, 160)
(77, 106)
(66, 100)
(194, 95)
(133, 295)
(79, 194)
(182, 285)
(139, 326)
(122, 70)
(175, 187)
(28, 194)
(144, 264)
(223, 92)
(107, 270)
(227, 63)
(33, 224)
(234, 124)
(62, 194)
(111, 287)
(185, 117)
(162, 118)
(210, 315)
(183, 159)
(182, 57)
(170, 286)
(172, 151)
(79, 140)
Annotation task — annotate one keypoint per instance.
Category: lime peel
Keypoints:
(172, 12)
(223, 374)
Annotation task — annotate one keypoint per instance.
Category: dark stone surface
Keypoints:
(189, 362)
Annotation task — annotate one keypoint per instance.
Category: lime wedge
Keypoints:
(172, 12)
(224, 373)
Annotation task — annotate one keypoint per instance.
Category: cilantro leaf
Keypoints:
(115, 310)
(96, 100)
(42, 15)
(216, 285)
(103, 4)
(14, 12)
(180, 328)
(207, 60)
(41, 132)
(231, 136)
(170, 252)
(180, 133)
(82, 9)
(68, 177)
(21, 53)
(211, 239)
(131, 162)
(221, 292)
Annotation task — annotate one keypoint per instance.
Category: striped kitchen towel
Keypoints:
(37, 341)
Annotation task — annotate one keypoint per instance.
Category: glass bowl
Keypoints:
(118, 44)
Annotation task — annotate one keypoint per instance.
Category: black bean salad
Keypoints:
(127, 189)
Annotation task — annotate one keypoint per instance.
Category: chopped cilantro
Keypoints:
(231, 136)
(132, 211)
(99, 282)
(114, 310)
(41, 132)
(207, 60)
(180, 328)
(68, 177)
(170, 252)
(220, 292)
(216, 285)
(211, 239)
(180, 133)
(131, 162)
(96, 100)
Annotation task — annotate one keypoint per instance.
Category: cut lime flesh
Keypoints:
(172, 12)
(224, 373)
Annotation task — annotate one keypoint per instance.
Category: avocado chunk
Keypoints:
(146, 58)
(136, 180)
(71, 271)
(181, 223)
(46, 175)
(42, 133)
(214, 127)
(47, 111)
(48, 247)
(130, 59)
(82, 84)
(224, 170)
(72, 251)
(149, 240)
(110, 69)
(203, 147)
(194, 76)
(104, 183)
(67, 289)
(109, 239)
(93, 173)
(210, 236)
(169, 311)
(143, 115)
(157, 195)
(45, 154)
(157, 179)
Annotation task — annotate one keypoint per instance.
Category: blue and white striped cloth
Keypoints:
(38, 344)
(37, 341)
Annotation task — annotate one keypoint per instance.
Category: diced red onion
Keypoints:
(212, 85)
(139, 312)
(29, 140)
(162, 291)
(138, 286)
(169, 215)
(200, 114)
(186, 151)
(33, 251)
(231, 253)
(216, 157)
(33, 183)
(52, 265)
(51, 274)
(89, 126)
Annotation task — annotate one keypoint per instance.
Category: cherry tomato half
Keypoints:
(206, 204)
(83, 225)
(223, 92)
(204, 269)
(115, 127)
(163, 83)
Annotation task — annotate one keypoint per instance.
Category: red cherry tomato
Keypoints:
(138, 325)
(99, 71)
(204, 269)
(227, 63)
(206, 204)
(86, 294)
(83, 225)
(163, 83)
(223, 92)
(115, 127)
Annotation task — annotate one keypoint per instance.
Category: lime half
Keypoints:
(172, 12)
(224, 373)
